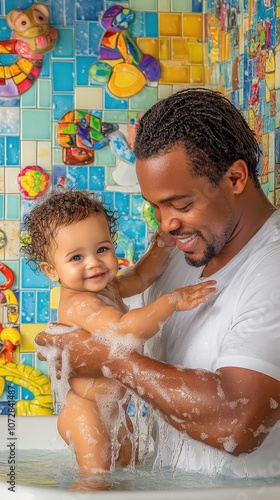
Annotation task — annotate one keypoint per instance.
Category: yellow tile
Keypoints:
(179, 49)
(28, 334)
(174, 72)
(195, 53)
(164, 48)
(228, 52)
(54, 297)
(193, 26)
(222, 46)
(207, 73)
(196, 74)
(148, 46)
(278, 11)
(170, 24)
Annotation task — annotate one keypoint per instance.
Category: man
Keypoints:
(217, 377)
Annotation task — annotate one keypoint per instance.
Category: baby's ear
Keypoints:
(49, 271)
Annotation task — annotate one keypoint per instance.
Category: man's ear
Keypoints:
(238, 176)
(49, 271)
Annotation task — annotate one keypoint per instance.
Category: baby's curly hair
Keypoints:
(59, 209)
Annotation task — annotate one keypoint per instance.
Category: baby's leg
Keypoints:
(80, 426)
(88, 420)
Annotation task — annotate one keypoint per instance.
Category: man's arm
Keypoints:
(230, 410)
(140, 276)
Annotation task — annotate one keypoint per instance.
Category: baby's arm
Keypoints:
(137, 278)
(93, 315)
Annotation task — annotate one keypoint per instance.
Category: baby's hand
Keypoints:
(190, 297)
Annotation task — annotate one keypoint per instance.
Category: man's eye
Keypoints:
(184, 208)
(75, 258)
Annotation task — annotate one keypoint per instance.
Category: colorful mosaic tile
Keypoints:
(230, 46)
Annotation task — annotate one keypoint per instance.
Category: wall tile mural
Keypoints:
(68, 113)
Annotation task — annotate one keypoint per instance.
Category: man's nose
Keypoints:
(168, 220)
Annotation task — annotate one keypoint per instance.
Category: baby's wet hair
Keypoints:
(59, 209)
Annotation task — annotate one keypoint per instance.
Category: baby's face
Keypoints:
(84, 257)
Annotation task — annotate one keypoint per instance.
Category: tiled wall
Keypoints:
(197, 42)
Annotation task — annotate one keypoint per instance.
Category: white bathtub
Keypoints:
(40, 433)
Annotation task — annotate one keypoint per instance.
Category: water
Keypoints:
(58, 470)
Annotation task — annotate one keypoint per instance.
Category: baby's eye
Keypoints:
(76, 258)
(102, 249)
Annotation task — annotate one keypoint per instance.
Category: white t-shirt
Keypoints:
(239, 327)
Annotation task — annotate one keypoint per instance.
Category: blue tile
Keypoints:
(112, 102)
(136, 229)
(61, 104)
(46, 67)
(151, 24)
(12, 151)
(57, 173)
(9, 121)
(82, 65)
(137, 203)
(97, 178)
(27, 358)
(137, 27)
(17, 4)
(196, 6)
(122, 203)
(81, 38)
(63, 76)
(42, 307)
(77, 177)
(69, 10)
(27, 307)
(277, 145)
(53, 315)
(26, 395)
(94, 38)
(88, 11)
(2, 151)
(57, 12)
(108, 199)
(31, 280)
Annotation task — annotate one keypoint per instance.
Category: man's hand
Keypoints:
(86, 353)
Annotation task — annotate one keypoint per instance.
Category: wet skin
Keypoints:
(211, 225)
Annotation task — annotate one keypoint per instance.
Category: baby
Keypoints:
(71, 239)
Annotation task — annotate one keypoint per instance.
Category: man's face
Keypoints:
(201, 217)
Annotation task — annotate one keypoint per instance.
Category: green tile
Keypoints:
(144, 100)
(144, 5)
(12, 207)
(28, 99)
(105, 157)
(57, 156)
(64, 46)
(35, 125)
(45, 94)
(181, 6)
(115, 116)
(109, 181)
(164, 5)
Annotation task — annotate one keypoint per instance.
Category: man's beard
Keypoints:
(208, 255)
